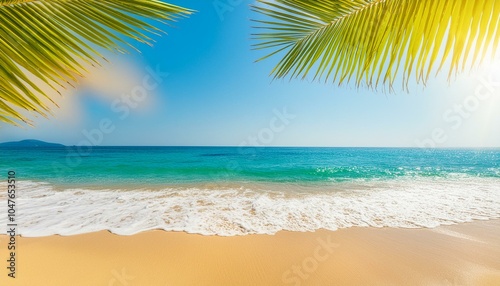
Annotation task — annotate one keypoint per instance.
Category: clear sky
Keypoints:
(215, 94)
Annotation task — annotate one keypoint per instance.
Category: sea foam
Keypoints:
(43, 209)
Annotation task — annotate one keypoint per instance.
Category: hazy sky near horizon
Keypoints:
(207, 90)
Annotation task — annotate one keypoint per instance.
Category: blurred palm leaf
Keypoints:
(52, 41)
(370, 41)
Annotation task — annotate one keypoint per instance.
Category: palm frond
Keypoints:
(374, 42)
(53, 40)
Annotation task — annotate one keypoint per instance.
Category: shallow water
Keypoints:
(238, 191)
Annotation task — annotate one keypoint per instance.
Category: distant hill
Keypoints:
(30, 143)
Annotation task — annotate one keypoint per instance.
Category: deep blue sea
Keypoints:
(237, 191)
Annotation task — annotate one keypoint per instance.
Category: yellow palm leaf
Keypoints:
(377, 42)
(52, 40)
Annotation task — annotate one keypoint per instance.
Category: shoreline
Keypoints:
(228, 212)
(473, 221)
(462, 254)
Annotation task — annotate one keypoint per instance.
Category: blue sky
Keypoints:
(215, 94)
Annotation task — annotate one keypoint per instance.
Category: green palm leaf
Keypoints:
(374, 42)
(53, 40)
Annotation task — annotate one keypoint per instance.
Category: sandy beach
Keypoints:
(465, 254)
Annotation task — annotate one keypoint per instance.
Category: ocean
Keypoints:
(237, 191)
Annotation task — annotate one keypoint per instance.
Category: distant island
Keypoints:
(30, 143)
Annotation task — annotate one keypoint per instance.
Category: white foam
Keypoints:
(412, 203)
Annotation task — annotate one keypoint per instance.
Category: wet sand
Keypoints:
(464, 254)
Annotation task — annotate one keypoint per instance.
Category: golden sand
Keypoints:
(465, 254)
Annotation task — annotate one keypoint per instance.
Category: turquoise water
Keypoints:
(240, 191)
(182, 165)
